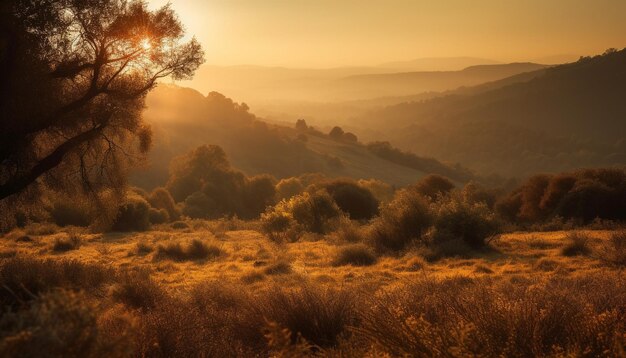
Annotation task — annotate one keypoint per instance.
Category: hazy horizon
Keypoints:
(327, 34)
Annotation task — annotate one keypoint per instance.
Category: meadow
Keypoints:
(223, 288)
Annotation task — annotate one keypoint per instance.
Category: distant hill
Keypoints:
(556, 119)
(183, 119)
(405, 83)
(436, 64)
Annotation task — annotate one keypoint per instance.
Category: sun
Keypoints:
(145, 44)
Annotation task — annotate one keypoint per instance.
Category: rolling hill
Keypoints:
(556, 119)
(183, 119)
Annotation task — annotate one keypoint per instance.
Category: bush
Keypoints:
(160, 198)
(279, 226)
(356, 255)
(138, 290)
(280, 267)
(434, 186)
(578, 245)
(403, 221)
(133, 214)
(193, 251)
(70, 212)
(58, 324)
(67, 243)
(313, 212)
(158, 216)
(457, 219)
(178, 225)
(466, 317)
(582, 196)
(210, 188)
(319, 315)
(354, 200)
(286, 188)
(25, 278)
(614, 250)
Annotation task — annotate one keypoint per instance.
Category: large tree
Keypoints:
(73, 79)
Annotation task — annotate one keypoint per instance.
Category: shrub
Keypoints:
(582, 196)
(25, 278)
(354, 200)
(319, 315)
(356, 255)
(614, 250)
(70, 212)
(158, 216)
(259, 194)
(280, 267)
(483, 317)
(349, 232)
(458, 219)
(313, 212)
(133, 214)
(403, 221)
(578, 244)
(137, 290)
(67, 243)
(278, 225)
(433, 186)
(382, 191)
(178, 225)
(58, 324)
(160, 198)
(286, 188)
(193, 251)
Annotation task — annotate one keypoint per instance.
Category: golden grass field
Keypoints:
(223, 289)
(248, 257)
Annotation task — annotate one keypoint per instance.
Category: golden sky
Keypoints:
(328, 33)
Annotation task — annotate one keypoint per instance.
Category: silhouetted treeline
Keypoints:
(581, 196)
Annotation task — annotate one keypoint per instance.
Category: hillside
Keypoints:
(389, 84)
(183, 119)
(560, 118)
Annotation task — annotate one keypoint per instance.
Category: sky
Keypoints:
(335, 33)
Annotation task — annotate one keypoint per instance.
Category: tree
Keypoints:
(73, 78)
(336, 133)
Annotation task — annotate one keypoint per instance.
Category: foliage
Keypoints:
(133, 214)
(210, 188)
(356, 255)
(358, 202)
(75, 75)
(583, 196)
(434, 186)
(457, 219)
(403, 221)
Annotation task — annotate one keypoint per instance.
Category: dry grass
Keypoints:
(66, 243)
(356, 255)
(196, 250)
(578, 244)
(150, 296)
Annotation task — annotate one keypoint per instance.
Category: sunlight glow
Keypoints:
(145, 44)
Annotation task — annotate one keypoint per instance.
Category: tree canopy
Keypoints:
(73, 79)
